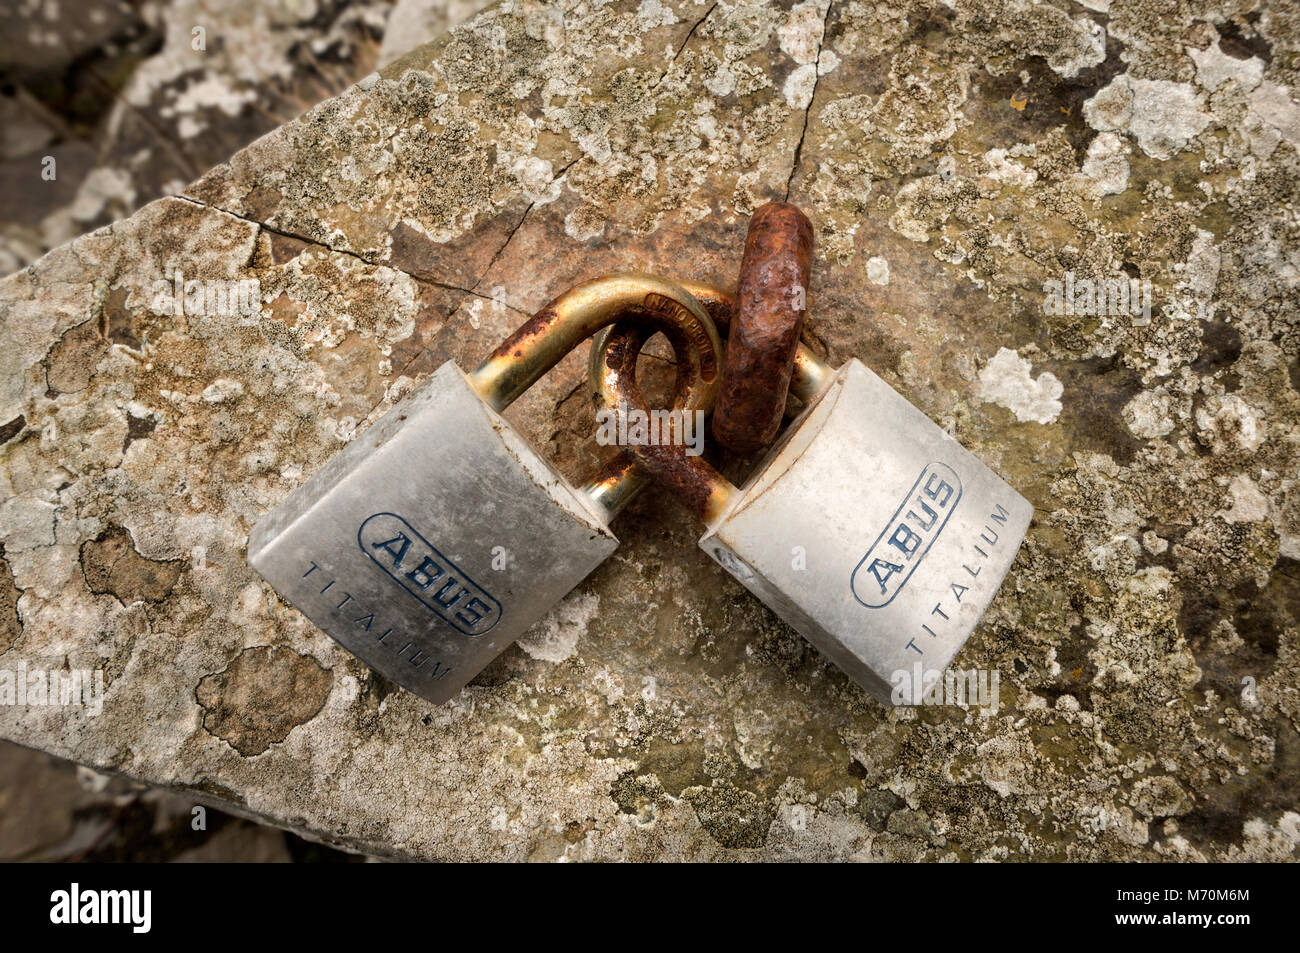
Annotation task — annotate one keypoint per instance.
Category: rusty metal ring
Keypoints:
(556, 329)
(552, 332)
(770, 306)
(809, 374)
(612, 375)
(692, 479)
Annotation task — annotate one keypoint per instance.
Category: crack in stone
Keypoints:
(817, 65)
(338, 251)
(501, 251)
(467, 292)
(689, 33)
(505, 244)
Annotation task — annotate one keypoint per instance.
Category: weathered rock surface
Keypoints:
(131, 101)
(956, 160)
(53, 810)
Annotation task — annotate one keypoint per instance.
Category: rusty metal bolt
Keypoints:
(764, 336)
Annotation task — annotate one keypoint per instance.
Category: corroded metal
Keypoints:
(809, 376)
(866, 527)
(616, 485)
(612, 373)
(552, 332)
(542, 340)
(764, 336)
(693, 480)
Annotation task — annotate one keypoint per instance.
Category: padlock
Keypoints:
(866, 527)
(439, 535)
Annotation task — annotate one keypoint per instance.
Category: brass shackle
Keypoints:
(612, 373)
(656, 304)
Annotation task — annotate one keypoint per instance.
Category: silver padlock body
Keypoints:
(432, 541)
(873, 533)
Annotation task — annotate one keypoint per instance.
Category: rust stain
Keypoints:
(529, 335)
(677, 319)
(691, 478)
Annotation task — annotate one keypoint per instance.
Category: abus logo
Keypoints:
(427, 574)
(916, 524)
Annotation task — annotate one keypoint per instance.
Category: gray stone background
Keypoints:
(954, 157)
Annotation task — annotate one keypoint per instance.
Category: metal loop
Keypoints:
(612, 374)
(544, 339)
(808, 378)
(583, 310)
(771, 300)
(810, 374)
(693, 480)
